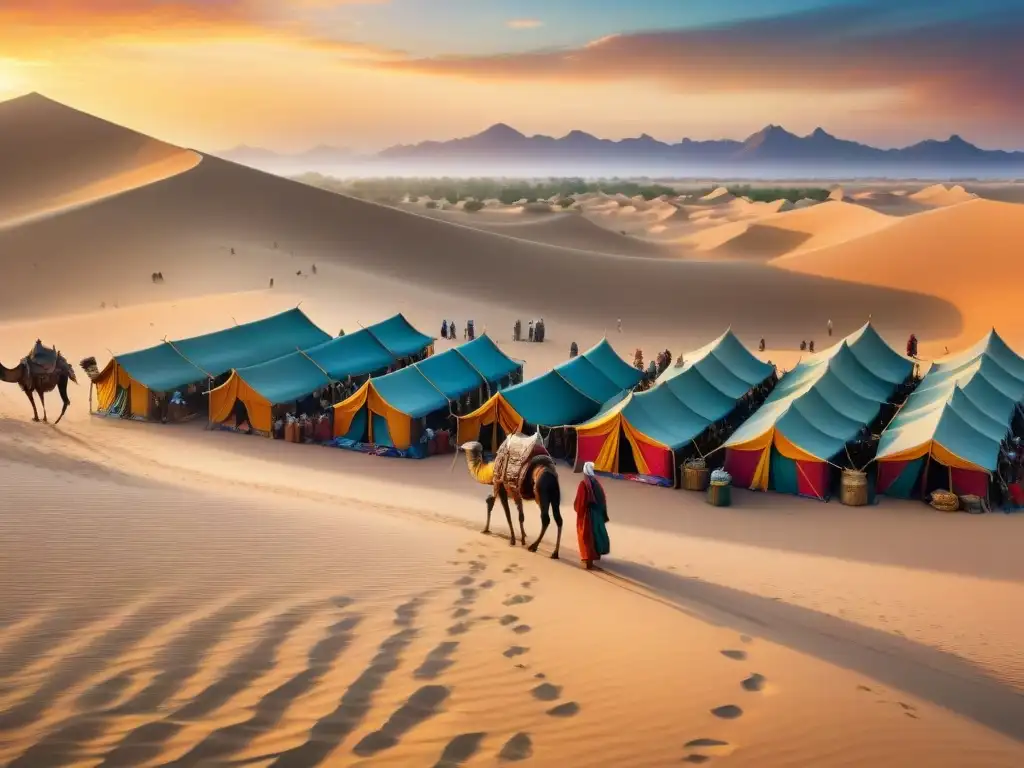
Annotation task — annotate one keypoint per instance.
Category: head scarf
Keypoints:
(588, 469)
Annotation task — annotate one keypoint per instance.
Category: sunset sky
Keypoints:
(289, 74)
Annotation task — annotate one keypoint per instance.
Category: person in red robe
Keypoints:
(591, 507)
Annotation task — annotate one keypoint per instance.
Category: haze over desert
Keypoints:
(181, 595)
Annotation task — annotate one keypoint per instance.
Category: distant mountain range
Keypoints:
(773, 147)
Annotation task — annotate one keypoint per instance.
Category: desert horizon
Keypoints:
(181, 591)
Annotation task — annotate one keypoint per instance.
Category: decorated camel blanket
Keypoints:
(514, 456)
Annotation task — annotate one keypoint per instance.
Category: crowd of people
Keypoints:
(448, 330)
(534, 331)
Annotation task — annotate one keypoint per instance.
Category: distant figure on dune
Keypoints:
(810, 346)
(912, 346)
(517, 331)
(620, 325)
(830, 327)
(271, 282)
(530, 331)
(803, 345)
(574, 350)
(591, 507)
(341, 332)
(444, 329)
(232, 251)
(314, 269)
(760, 347)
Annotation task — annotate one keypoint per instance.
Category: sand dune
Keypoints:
(939, 196)
(719, 196)
(187, 225)
(54, 158)
(966, 254)
(566, 230)
(790, 232)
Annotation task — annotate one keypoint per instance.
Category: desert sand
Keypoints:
(176, 596)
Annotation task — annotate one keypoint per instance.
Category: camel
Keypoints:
(538, 480)
(43, 370)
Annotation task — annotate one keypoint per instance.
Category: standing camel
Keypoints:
(42, 371)
(536, 479)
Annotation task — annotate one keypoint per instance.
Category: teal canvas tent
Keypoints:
(639, 435)
(949, 433)
(392, 410)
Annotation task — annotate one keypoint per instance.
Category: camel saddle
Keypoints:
(43, 360)
(514, 459)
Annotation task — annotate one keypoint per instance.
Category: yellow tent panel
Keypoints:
(399, 424)
(222, 403)
(495, 411)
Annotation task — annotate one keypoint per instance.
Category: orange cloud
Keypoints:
(524, 23)
(28, 27)
(941, 68)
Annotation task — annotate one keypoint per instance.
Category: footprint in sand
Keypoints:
(727, 712)
(522, 629)
(708, 748)
(486, 584)
(468, 596)
(460, 749)
(515, 650)
(754, 683)
(519, 747)
(540, 676)
(568, 709)
(437, 661)
(458, 613)
(475, 566)
(465, 581)
(518, 600)
(746, 639)
(508, 619)
(405, 613)
(421, 706)
(341, 601)
(459, 629)
(735, 655)
(547, 692)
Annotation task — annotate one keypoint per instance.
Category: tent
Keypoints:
(685, 402)
(951, 427)
(570, 393)
(816, 409)
(295, 375)
(384, 411)
(172, 365)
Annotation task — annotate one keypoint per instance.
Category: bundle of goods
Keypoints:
(444, 444)
(322, 432)
(292, 430)
(696, 475)
(973, 505)
(945, 501)
(720, 489)
(854, 491)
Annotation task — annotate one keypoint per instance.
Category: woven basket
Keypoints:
(696, 478)
(720, 494)
(854, 489)
(944, 501)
